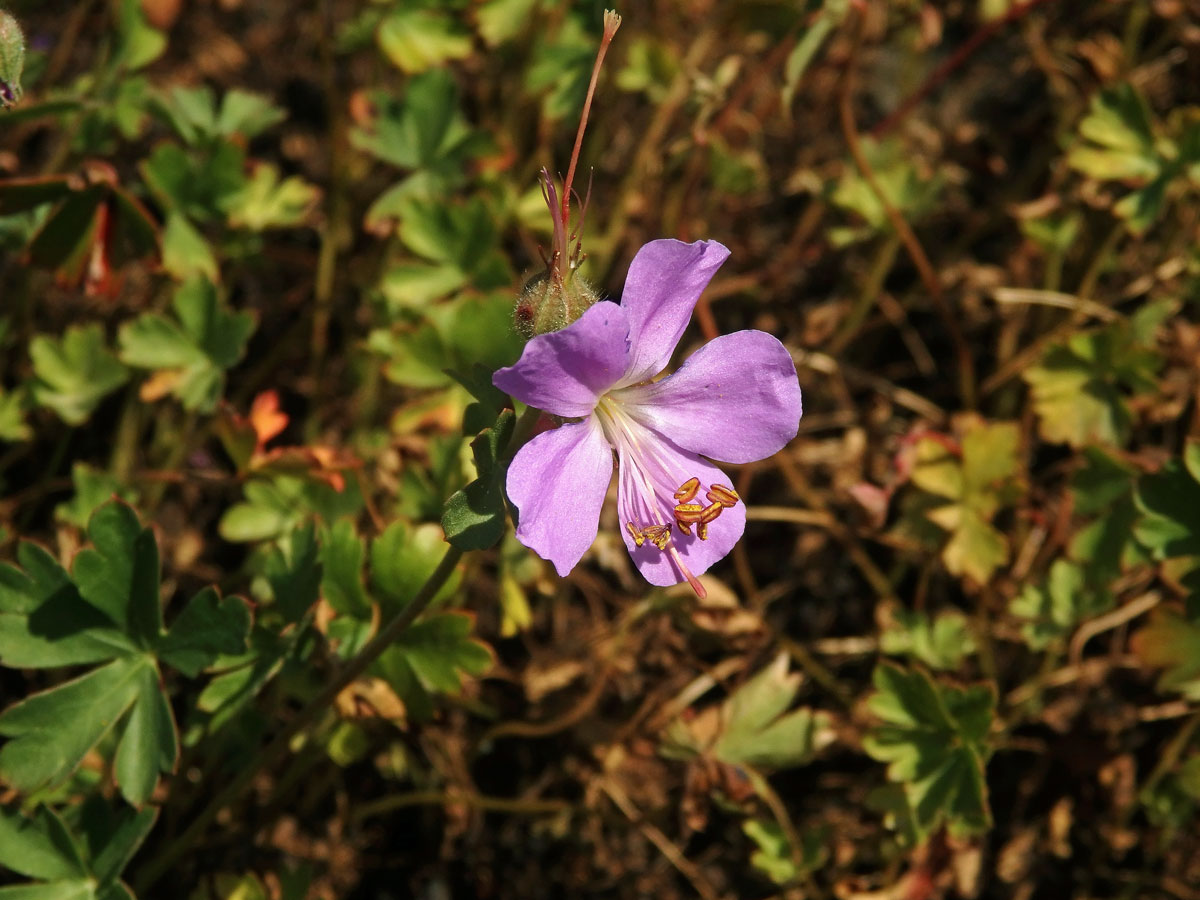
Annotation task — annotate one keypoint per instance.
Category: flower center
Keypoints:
(644, 472)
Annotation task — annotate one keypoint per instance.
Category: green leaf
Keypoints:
(935, 740)
(819, 28)
(192, 112)
(266, 201)
(753, 726)
(972, 486)
(50, 732)
(192, 352)
(39, 847)
(911, 191)
(560, 70)
(114, 845)
(1054, 609)
(342, 554)
(45, 623)
(1079, 388)
(419, 39)
(148, 745)
(454, 336)
(459, 240)
(73, 374)
(275, 506)
(269, 511)
(1170, 503)
(247, 114)
(1119, 137)
(93, 488)
(208, 627)
(110, 611)
(230, 692)
(474, 516)
(402, 559)
(1171, 643)
(58, 890)
(650, 68)
(138, 44)
(425, 134)
(773, 856)
(429, 656)
(975, 548)
(294, 571)
(195, 182)
(1118, 143)
(439, 647)
(940, 642)
(13, 426)
(501, 20)
(1101, 481)
(119, 575)
(186, 254)
(489, 403)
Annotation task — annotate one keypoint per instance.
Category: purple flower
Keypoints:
(736, 399)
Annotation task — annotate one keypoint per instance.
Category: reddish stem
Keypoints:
(954, 61)
(612, 22)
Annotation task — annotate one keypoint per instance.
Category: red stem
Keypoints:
(957, 59)
(611, 23)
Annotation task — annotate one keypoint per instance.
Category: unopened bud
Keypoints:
(550, 303)
(12, 60)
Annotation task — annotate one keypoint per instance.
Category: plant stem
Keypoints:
(885, 258)
(966, 363)
(611, 23)
(280, 746)
(512, 805)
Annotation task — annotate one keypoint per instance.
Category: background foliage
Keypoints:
(257, 262)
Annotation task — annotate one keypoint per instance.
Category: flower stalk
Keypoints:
(558, 297)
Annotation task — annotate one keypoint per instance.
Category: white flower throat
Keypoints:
(658, 511)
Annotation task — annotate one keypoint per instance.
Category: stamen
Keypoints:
(640, 489)
(658, 535)
(723, 494)
(702, 531)
(639, 538)
(687, 490)
(710, 513)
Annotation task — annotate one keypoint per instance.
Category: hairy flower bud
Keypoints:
(12, 60)
(559, 296)
(551, 304)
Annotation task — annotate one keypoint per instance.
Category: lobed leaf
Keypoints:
(934, 739)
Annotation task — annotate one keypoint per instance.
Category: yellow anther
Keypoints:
(688, 512)
(638, 537)
(723, 494)
(687, 490)
(702, 531)
(658, 535)
(685, 527)
(710, 513)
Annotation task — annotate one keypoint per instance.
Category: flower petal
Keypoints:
(564, 372)
(736, 399)
(664, 282)
(664, 469)
(558, 481)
